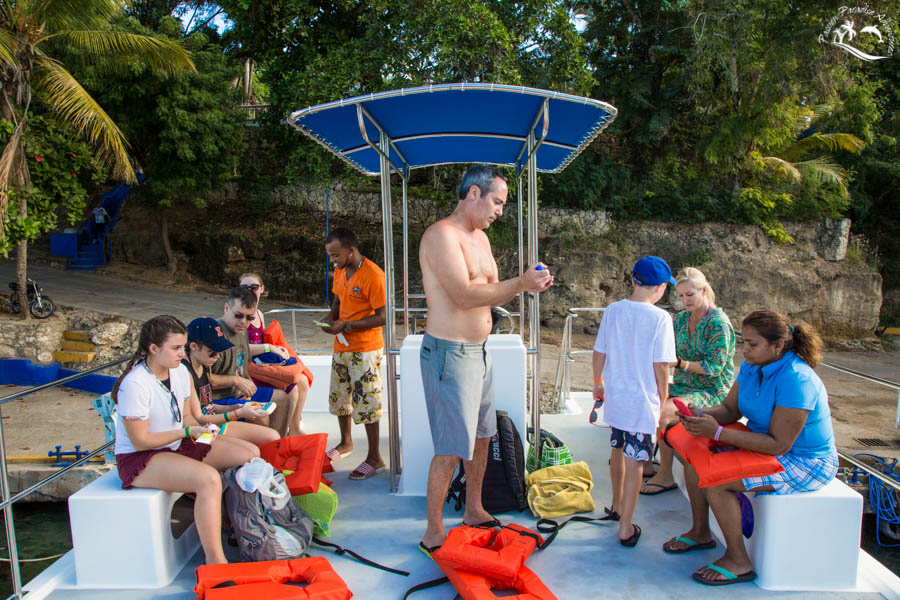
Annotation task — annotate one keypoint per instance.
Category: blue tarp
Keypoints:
(456, 123)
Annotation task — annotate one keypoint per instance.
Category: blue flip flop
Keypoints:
(729, 576)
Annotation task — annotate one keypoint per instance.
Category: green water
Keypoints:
(42, 529)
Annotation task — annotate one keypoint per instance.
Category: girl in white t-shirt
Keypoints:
(154, 448)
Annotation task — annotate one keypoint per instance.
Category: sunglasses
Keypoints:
(173, 405)
(250, 286)
(239, 316)
(594, 418)
(212, 353)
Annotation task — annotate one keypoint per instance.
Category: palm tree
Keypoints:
(822, 168)
(29, 32)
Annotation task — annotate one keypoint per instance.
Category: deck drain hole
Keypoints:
(873, 442)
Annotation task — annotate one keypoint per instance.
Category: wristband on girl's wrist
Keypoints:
(522, 283)
(225, 415)
(718, 433)
(187, 432)
(598, 380)
(265, 347)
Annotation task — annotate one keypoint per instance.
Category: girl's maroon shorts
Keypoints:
(131, 464)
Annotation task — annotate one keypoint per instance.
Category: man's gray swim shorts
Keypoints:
(459, 394)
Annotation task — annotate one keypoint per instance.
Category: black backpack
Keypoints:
(504, 476)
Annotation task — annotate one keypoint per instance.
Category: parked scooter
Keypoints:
(39, 306)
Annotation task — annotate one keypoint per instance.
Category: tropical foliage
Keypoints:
(31, 34)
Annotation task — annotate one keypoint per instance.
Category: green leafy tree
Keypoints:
(62, 169)
(185, 129)
(31, 33)
(312, 52)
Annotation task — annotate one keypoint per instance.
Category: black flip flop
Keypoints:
(662, 489)
(633, 540)
(729, 576)
(491, 523)
(690, 545)
(426, 550)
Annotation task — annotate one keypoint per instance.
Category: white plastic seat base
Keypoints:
(804, 541)
(508, 356)
(123, 538)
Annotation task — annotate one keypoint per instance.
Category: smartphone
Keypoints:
(682, 407)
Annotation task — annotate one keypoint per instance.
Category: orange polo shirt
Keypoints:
(359, 298)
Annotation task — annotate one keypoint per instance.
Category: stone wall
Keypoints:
(114, 336)
(31, 339)
(590, 255)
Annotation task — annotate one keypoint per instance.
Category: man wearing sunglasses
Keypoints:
(230, 382)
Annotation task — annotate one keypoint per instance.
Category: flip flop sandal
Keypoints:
(492, 523)
(427, 550)
(662, 489)
(334, 455)
(729, 576)
(633, 540)
(691, 545)
(365, 470)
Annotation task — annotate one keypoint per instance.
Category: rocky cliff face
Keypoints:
(590, 256)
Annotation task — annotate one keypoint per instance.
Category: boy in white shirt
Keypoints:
(634, 348)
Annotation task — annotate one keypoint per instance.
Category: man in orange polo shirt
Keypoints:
(357, 315)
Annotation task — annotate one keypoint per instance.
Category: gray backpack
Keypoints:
(264, 532)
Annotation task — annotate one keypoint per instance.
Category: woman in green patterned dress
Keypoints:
(704, 371)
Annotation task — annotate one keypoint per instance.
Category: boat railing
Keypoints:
(415, 315)
(8, 499)
(563, 383)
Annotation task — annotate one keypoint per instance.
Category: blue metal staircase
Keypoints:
(82, 250)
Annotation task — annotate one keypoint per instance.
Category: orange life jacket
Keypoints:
(270, 579)
(482, 550)
(302, 454)
(472, 586)
(279, 376)
(718, 468)
(478, 560)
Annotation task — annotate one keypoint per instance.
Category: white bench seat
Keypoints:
(805, 541)
(123, 538)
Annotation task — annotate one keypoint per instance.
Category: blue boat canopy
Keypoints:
(456, 123)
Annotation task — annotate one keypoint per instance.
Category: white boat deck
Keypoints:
(584, 559)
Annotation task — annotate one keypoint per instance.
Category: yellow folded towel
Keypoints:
(561, 490)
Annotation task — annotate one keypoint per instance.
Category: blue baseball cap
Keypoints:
(652, 270)
(209, 333)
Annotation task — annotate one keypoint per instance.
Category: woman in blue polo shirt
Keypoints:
(787, 412)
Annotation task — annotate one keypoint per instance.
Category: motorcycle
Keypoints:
(39, 306)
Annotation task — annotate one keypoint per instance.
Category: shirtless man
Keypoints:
(460, 279)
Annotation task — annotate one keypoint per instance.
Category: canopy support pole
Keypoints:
(389, 297)
(534, 313)
(405, 263)
(521, 258)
